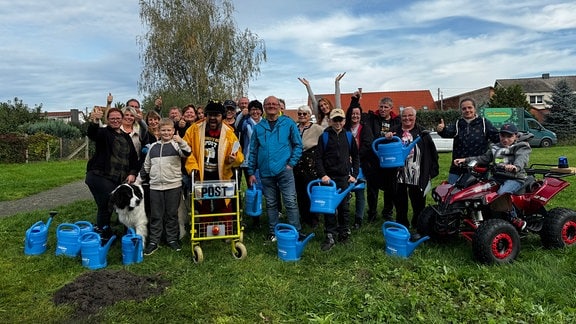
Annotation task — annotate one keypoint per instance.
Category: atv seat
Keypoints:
(530, 184)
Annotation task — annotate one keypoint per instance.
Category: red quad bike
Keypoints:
(473, 209)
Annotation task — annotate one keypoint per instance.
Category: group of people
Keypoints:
(282, 156)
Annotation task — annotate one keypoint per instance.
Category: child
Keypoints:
(338, 161)
(163, 167)
(510, 156)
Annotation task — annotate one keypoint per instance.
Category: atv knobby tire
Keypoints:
(496, 241)
(559, 229)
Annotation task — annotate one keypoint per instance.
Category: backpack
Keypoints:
(325, 140)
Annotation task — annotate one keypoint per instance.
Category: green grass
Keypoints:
(439, 283)
(22, 180)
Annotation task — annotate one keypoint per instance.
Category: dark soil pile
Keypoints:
(97, 289)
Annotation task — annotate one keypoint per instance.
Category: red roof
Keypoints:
(419, 99)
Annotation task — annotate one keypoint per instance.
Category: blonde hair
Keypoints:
(166, 122)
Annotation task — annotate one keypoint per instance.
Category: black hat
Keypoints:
(255, 104)
(229, 104)
(214, 107)
(509, 128)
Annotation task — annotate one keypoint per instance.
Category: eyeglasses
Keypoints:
(302, 113)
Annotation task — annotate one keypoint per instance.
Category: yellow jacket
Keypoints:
(195, 137)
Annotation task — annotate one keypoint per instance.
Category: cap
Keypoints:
(255, 104)
(508, 128)
(214, 107)
(229, 103)
(337, 113)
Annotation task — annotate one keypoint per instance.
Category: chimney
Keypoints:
(545, 75)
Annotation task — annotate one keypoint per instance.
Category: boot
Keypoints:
(328, 243)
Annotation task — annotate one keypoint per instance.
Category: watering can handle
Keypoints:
(89, 234)
(313, 182)
(282, 225)
(381, 139)
(74, 226)
(393, 224)
(38, 223)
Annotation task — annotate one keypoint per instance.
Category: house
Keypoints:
(65, 116)
(538, 90)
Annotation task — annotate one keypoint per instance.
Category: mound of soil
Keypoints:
(94, 290)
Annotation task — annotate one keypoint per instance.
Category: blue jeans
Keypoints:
(360, 196)
(509, 186)
(271, 187)
(453, 177)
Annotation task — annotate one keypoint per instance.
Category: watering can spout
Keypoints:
(300, 245)
(104, 249)
(412, 245)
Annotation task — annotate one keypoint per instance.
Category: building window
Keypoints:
(536, 99)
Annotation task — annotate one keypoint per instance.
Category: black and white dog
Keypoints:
(128, 201)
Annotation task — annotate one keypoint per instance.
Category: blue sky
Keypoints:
(67, 54)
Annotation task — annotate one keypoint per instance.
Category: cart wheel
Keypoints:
(239, 251)
(198, 255)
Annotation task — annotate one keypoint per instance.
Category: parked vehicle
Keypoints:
(524, 121)
(442, 144)
(473, 209)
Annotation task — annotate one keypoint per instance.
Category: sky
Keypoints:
(66, 54)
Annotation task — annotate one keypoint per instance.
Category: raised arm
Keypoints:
(311, 96)
(337, 101)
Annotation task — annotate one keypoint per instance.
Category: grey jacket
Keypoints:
(517, 154)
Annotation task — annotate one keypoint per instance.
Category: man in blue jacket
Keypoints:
(275, 148)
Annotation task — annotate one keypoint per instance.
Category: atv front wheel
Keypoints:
(496, 241)
(429, 224)
(559, 228)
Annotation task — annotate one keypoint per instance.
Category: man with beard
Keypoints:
(214, 154)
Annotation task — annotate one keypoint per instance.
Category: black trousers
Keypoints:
(382, 179)
(417, 200)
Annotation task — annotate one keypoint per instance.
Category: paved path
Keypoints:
(52, 198)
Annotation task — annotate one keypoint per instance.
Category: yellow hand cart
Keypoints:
(213, 215)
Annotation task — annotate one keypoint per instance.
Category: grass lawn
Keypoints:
(357, 282)
(22, 180)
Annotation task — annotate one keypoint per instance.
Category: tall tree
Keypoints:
(561, 118)
(17, 113)
(512, 96)
(193, 48)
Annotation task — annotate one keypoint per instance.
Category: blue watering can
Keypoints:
(132, 248)
(397, 239)
(94, 255)
(253, 203)
(325, 199)
(289, 248)
(67, 239)
(360, 181)
(392, 153)
(85, 227)
(36, 238)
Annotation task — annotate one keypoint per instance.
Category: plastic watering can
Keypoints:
(253, 203)
(397, 239)
(67, 237)
(132, 248)
(94, 255)
(84, 226)
(36, 238)
(360, 181)
(392, 153)
(289, 248)
(325, 199)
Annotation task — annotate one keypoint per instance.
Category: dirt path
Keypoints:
(52, 198)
